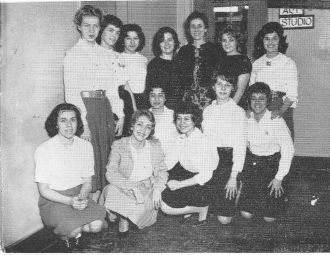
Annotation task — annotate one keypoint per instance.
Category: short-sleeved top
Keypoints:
(135, 66)
(209, 57)
(163, 73)
(279, 73)
(64, 167)
(234, 66)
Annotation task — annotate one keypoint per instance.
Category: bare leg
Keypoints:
(202, 211)
(123, 225)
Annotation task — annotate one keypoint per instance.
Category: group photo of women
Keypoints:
(201, 130)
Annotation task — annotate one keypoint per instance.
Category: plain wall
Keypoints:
(34, 39)
(310, 49)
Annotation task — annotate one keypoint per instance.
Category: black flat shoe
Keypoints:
(199, 223)
(123, 235)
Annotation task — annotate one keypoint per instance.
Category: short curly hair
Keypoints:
(240, 38)
(109, 20)
(124, 33)
(268, 28)
(159, 38)
(137, 114)
(189, 108)
(192, 16)
(86, 10)
(51, 121)
(257, 88)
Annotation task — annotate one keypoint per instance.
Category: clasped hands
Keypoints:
(79, 203)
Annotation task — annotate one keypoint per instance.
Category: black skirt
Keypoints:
(196, 195)
(257, 173)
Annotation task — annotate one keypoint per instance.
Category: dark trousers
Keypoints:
(102, 127)
(255, 198)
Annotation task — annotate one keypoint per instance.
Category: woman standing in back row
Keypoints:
(91, 83)
(196, 61)
(277, 70)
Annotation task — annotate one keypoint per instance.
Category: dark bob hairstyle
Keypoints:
(189, 108)
(192, 16)
(259, 88)
(109, 20)
(159, 38)
(51, 122)
(269, 28)
(240, 38)
(86, 10)
(137, 114)
(124, 33)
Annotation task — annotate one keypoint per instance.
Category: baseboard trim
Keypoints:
(35, 243)
(311, 164)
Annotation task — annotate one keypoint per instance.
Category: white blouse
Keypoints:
(135, 66)
(142, 167)
(64, 167)
(89, 67)
(269, 136)
(195, 154)
(226, 125)
(279, 73)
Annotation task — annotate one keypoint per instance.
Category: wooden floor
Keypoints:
(303, 228)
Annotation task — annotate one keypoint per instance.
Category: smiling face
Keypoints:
(89, 28)
(67, 124)
(271, 42)
(222, 89)
(141, 129)
(229, 44)
(110, 36)
(131, 42)
(258, 103)
(185, 124)
(157, 98)
(167, 45)
(197, 29)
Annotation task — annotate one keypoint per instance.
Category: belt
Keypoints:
(93, 93)
(277, 94)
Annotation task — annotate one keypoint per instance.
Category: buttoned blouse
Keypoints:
(195, 154)
(64, 167)
(225, 125)
(142, 168)
(135, 66)
(93, 67)
(279, 73)
(269, 136)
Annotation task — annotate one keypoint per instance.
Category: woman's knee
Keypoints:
(75, 232)
(246, 215)
(224, 220)
(95, 226)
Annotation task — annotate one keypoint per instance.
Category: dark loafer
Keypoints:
(123, 235)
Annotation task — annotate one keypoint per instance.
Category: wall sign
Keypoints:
(297, 22)
(290, 12)
(295, 19)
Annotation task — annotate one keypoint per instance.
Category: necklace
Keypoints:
(268, 63)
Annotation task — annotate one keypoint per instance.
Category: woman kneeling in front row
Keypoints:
(192, 161)
(137, 175)
(64, 168)
(268, 159)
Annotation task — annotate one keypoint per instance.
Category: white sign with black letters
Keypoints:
(296, 22)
